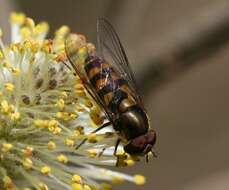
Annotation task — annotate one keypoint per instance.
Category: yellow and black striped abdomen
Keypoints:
(112, 89)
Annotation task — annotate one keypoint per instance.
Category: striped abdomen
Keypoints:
(109, 85)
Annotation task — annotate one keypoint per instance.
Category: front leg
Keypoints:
(115, 151)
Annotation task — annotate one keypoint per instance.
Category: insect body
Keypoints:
(110, 81)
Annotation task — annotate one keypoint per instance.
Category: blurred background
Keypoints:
(179, 50)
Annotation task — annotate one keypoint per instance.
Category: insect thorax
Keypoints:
(132, 123)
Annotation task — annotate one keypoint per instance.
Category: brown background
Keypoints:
(189, 111)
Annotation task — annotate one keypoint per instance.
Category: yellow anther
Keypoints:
(69, 142)
(45, 170)
(7, 147)
(43, 186)
(57, 131)
(39, 123)
(73, 115)
(45, 123)
(7, 64)
(60, 57)
(8, 183)
(27, 164)
(35, 47)
(122, 160)
(14, 47)
(76, 179)
(88, 104)
(62, 158)
(28, 151)
(51, 145)
(25, 32)
(96, 117)
(135, 158)
(79, 86)
(52, 124)
(79, 108)
(77, 186)
(4, 106)
(16, 71)
(29, 22)
(93, 187)
(91, 48)
(47, 46)
(80, 129)
(106, 186)
(92, 153)
(15, 116)
(92, 138)
(59, 115)
(11, 108)
(51, 129)
(122, 153)
(17, 18)
(60, 103)
(75, 134)
(86, 187)
(27, 44)
(65, 116)
(82, 53)
(9, 86)
(32, 58)
(1, 54)
(139, 180)
(80, 93)
(118, 180)
(80, 90)
(62, 31)
(1, 93)
(42, 27)
(129, 162)
(64, 94)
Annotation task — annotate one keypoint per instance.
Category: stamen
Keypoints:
(139, 179)
(45, 170)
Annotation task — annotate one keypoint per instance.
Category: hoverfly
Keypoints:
(108, 78)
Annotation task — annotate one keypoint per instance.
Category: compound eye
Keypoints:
(151, 137)
(136, 146)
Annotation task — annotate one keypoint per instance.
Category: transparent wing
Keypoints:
(77, 53)
(111, 49)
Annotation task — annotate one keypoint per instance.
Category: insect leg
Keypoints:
(147, 158)
(116, 147)
(82, 142)
(101, 127)
(101, 152)
(149, 150)
(96, 130)
(115, 151)
(155, 155)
